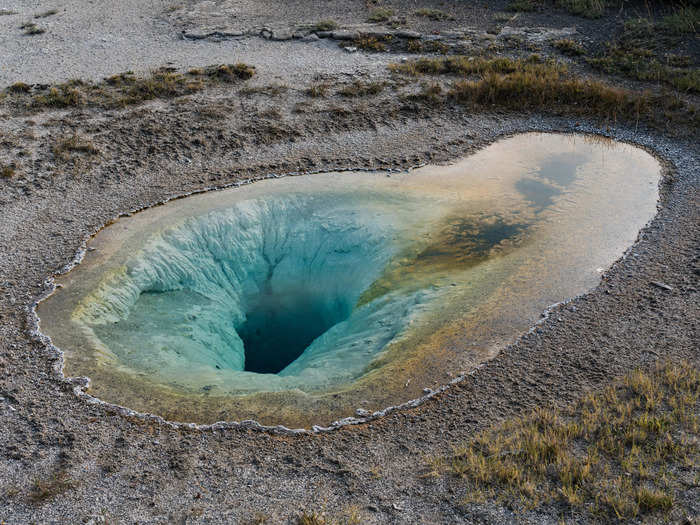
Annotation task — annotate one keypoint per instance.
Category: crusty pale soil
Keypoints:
(108, 468)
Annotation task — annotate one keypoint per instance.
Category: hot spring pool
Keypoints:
(297, 300)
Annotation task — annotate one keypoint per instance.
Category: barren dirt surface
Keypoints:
(101, 466)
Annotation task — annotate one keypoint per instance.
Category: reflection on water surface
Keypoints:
(296, 301)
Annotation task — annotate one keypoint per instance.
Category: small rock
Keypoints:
(661, 285)
(361, 412)
(350, 49)
(229, 33)
(196, 34)
(408, 34)
(312, 37)
(344, 34)
(282, 34)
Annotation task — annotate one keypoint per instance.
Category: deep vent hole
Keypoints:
(280, 326)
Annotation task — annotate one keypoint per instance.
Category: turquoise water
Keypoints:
(267, 286)
(298, 300)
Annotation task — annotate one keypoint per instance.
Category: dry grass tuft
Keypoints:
(369, 43)
(350, 515)
(362, 89)
(43, 490)
(569, 47)
(640, 51)
(433, 14)
(7, 171)
(618, 454)
(534, 84)
(684, 20)
(325, 25)
(127, 89)
(380, 14)
(19, 87)
(64, 147)
(319, 90)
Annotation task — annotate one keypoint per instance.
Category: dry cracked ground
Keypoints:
(108, 107)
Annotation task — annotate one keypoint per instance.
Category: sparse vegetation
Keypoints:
(569, 47)
(380, 14)
(310, 518)
(325, 25)
(318, 90)
(549, 86)
(64, 147)
(461, 65)
(19, 87)
(7, 171)
(128, 89)
(7, 12)
(617, 454)
(524, 5)
(684, 19)
(584, 8)
(437, 47)
(369, 43)
(362, 89)
(43, 490)
(271, 90)
(433, 14)
(641, 64)
(349, 516)
(640, 53)
(414, 45)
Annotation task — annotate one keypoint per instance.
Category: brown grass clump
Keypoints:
(362, 89)
(325, 25)
(380, 14)
(460, 65)
(43, 490)
(19, 87)
(7, 171)
(63, 149)
(617, 454)
(127, 89)
(350, 515)
(369, 43)
(534, 84)
(318, 90)
(569, 47)
(433, 14)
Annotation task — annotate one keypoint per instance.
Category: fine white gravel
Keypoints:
(92, 39)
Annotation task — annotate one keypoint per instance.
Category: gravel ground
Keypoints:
(91, 40)
(63, 460)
